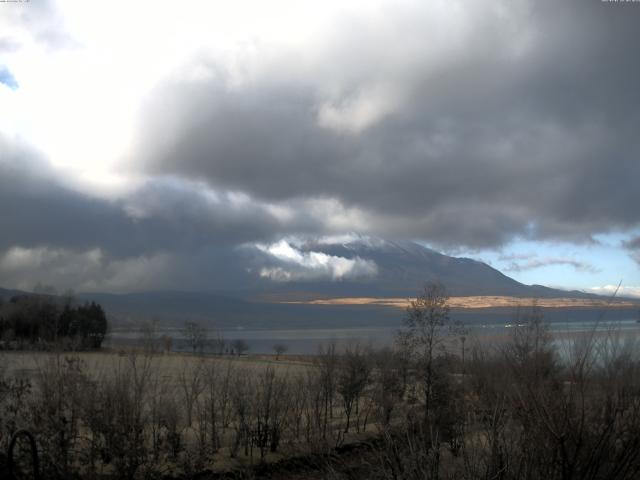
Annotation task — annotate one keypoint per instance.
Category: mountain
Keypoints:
(395, 269)
(403, 268)
(6, 294)
(171, 307)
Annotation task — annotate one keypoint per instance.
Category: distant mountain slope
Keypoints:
(170, 306)
(403, 267)
(6, 294)
(175, 308)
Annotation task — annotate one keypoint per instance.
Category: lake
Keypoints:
(308, 340)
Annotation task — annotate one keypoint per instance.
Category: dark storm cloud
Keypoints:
(35, 209)
(39, 210)
(263, 140)
(166, 233)
(525, 127)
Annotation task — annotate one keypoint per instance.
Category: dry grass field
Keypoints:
(28, 364)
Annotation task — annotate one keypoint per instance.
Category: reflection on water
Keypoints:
(307, 341)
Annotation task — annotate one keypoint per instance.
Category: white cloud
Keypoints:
(342, 239)
(621, 291)
(309, 265)
(525, 262)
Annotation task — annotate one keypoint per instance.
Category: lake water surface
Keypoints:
(308, 340)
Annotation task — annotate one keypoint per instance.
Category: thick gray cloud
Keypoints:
(523, 125)
(165, 233)
(164, 214)
(37, 210)
(53, 233)
(508, 120)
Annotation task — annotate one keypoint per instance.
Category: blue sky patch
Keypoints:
(7, 78)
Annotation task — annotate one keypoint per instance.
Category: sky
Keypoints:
(142, 147)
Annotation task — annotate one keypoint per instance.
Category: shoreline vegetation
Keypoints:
(440, 404)
(481, 302)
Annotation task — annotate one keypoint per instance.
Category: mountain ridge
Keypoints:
(402, 268)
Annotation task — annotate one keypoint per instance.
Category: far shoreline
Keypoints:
(478, 302)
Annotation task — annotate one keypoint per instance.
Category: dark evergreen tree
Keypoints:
(43, 319)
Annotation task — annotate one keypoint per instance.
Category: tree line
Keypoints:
(39, 321)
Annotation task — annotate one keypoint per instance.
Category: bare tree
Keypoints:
(239, 346)
(149, 336)
(218, 343)
(241, 392)
(352, 379)
(279, 349)
(530, 349)
(389, 383)
(425, 328)
(270, 406)
(196, 336)
(167, 342)
(298, 398)
(327, 365)
(191, 385)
